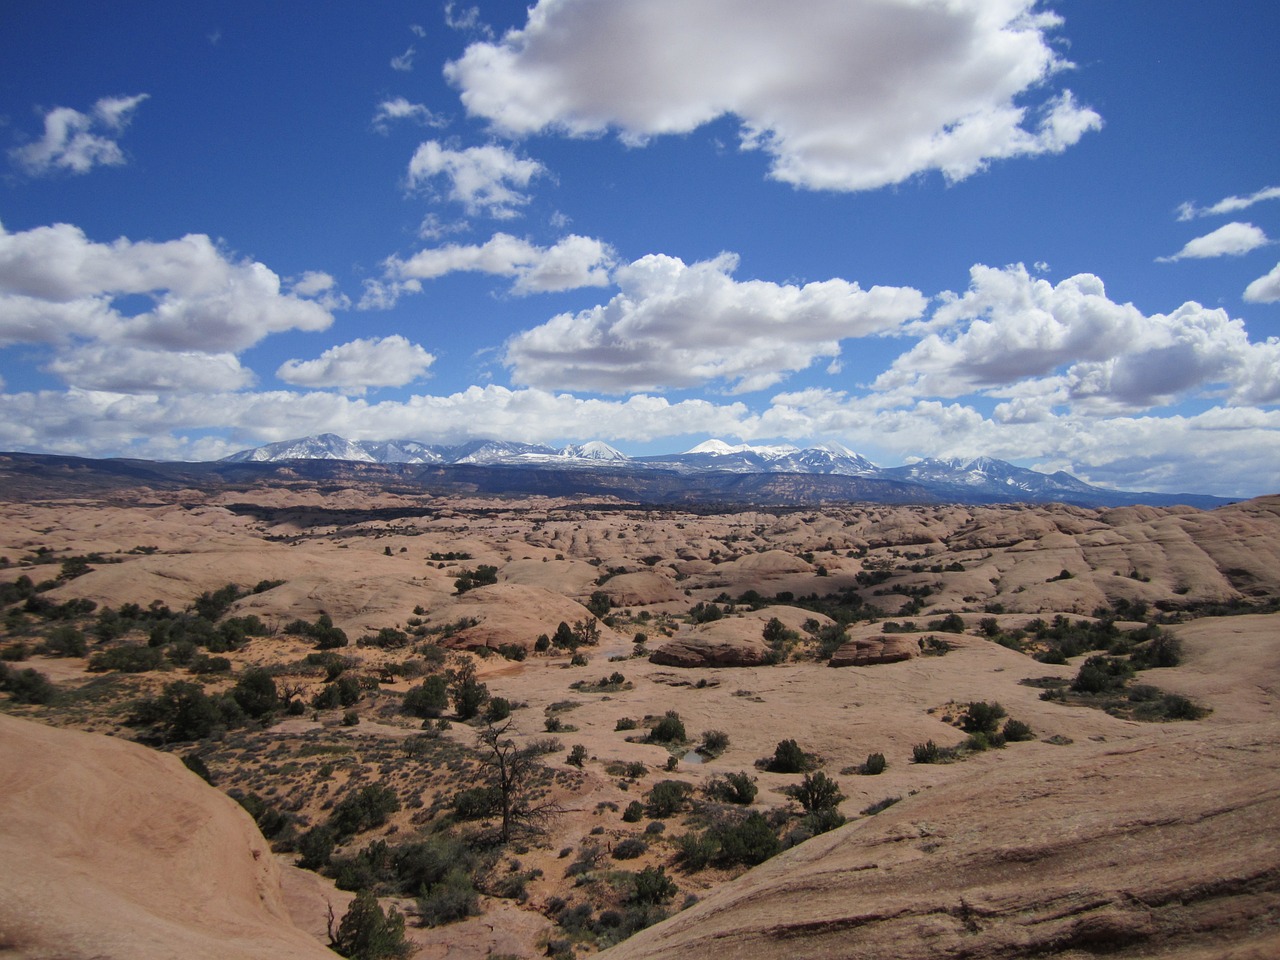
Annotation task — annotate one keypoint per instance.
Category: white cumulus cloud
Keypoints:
(60, 289)
(573, 261)
(487, 180)
(676, 326)
(843, 94)
(1044, 345)
(1233, 239)
(356, 366)
(1266, 289)
(78, 142)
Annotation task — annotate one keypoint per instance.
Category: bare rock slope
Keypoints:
(111, 850)
(1141, 850)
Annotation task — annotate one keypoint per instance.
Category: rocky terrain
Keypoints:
(1136, 819)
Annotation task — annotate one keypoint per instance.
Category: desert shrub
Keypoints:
(27, 686)
(670, 729)
(634, 812)
(739, 788)
(1163, 651)
(816, 791)
(366, 933)
(468, 693)
(213, 604)
(667, 797)
(183, 711)
(880, 805)
(428, 699)
(497, 709)
(1102, 674)
(65, 640)
(874, 766)
(747, 841)
(982, 717)
(652, 885)
(203, 664)
(1016, 731)
(366, 808)
(625, 723)
(477, 803)
(630, 848)
(951, 623)
(388, 638)
(928, 752)
(316, 848)
(714, 743)
(453, 898)
(256, 693)
(130, 658)
(481, 576)
(787, 758)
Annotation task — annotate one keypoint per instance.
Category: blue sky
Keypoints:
(1044, 232)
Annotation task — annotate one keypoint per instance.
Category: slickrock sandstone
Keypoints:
(111, 850)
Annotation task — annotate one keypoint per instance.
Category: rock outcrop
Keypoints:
(111, 850)
(866, 651)
(711, 652)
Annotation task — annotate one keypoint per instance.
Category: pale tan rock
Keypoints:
(868, 651)
(111, 850)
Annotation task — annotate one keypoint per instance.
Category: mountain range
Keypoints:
(713, 470)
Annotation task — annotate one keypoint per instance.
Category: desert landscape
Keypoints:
(557, 726)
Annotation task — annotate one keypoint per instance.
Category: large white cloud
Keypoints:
(487, 180)
(126, 369)
(842, 94)
(572, 262)
(1014, 336)
(1266, 289)
(354, 367)
(201, 300)
(77, 142)
(675, 325)
(1167, 453)
(1232, 240)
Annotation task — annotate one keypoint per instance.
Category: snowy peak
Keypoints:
(596, 450)
(959, 479)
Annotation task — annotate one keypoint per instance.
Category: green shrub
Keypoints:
(788, 758)
(928, 752)
(714, 743)
(65, 640)
(874, 765)
(816, 791)
(1102, 674)
(667, 797)
(652, 885)
(630, 848)
(1016, 731)
(131, 658)
(428, 699)
(453, 898)
(366, 808)
(366, 933)
(670, 729)
(577, 755)
(634, 812)
(982, 717)
(27, 686)
(739, 788)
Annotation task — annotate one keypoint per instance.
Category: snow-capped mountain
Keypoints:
(715, 469)
(825, 458)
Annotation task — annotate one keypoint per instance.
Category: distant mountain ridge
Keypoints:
(843, 471)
